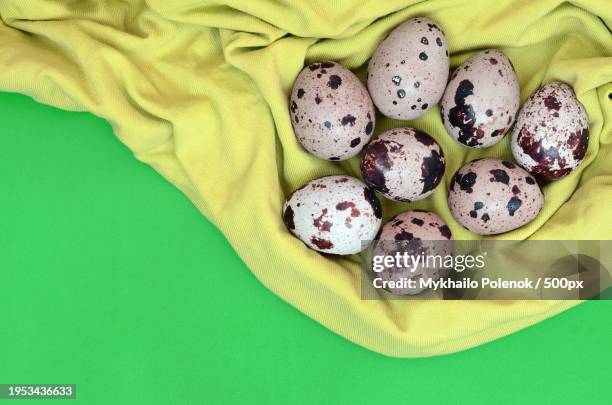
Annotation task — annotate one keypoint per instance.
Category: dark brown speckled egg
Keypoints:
(333, 214)
(481, 100)
(408, 71)
(491, 196)
(403, 164)
(331, 111)
(416, 233)
(551, 135)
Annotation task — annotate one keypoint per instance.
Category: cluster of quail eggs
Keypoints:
(333, 117)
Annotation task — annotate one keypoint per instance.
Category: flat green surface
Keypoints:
(112, 280)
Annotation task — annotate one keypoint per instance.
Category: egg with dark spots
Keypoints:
(417, 233)
(491, 196)
(551, 135)
(331, 111)
(403, 164)
(333, 214)
(410, 64)
(481, 100)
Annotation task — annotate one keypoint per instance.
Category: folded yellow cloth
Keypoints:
(199, 90)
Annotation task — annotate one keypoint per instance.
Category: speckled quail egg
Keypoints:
(408, 71)
(403, 164)
(481, 100)
(417, 233)
(491, 196)
(331, 111)
(333, 214)
(551, 135)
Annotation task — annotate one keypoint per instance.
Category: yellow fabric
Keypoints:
(199, 91)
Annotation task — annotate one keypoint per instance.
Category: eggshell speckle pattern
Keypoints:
(481, 100)
(403, 164)
(333, 214)
(408, 71)
(416, 233)
(491, 196)
(331, 111)
(551, 134)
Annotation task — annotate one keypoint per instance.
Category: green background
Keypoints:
(112, 280)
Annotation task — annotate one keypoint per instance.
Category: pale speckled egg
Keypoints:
(331, 111)
(417, 233)
(403, 164)
(481, 100)
(551, 135)
(333, 214)
(408, 71)
(491, 196)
